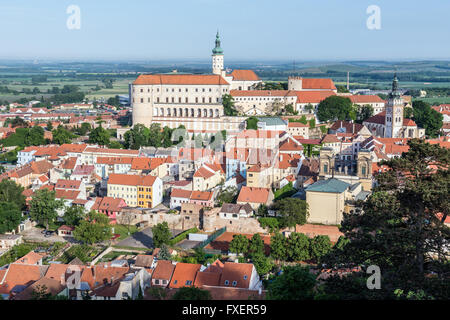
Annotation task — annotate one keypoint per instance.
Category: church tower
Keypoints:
(217, 57)
(393, 121)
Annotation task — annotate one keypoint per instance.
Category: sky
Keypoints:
(251, 30)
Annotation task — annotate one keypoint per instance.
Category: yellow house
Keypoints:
(326, 201)
(136, 190)
(145, 192)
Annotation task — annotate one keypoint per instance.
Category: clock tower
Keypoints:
(393, 121)
(217, 57)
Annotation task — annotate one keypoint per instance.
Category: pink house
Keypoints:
(109, 206)
(203, 198)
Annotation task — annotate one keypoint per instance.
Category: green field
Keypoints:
(433, 100)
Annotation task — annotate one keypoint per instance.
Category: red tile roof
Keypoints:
(244, 75)
(30, 258)
(67, 184)
(207, 278)
(313, 96)
(253, 195)
(237, 274)
(184, 275)
(365, 99)
(201, 195)
(379, 118)
(317, 83)
(180, 193)
(184, 79)
(163, 270)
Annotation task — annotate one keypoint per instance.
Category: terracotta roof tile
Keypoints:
(176, 79)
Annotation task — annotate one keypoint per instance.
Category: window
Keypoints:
(234, 283)
(245, 277)
(227, 282)
(175, 282)
(156, 281)
(325, 168)
(188, 282)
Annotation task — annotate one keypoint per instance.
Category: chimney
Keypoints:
(260, 291)
(112, 280)
(63, 279)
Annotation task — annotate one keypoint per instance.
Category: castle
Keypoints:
(192, 100)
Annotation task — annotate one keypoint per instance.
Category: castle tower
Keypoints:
(295, 83)
(393, 120)
(217, 57)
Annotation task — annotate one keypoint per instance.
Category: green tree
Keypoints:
(94, 229)
(191, 293)
(44, 206)
(49, 125)
(10, 216)
(428, 118)
(161, 234)
(137, 137)
(335, 108)
(167, 137)
(295, 283)
(269, 222)
(200, 255)
(239, 244)
(228, 105)
(298, 247)
(155, 137)
(402, 229)
(164, 253)
(262, 211)
(73, 215)
(292, 211)
(278, 247)
(115, 145)
(319, 246)
(35, 136)
(61, 135)
(363, 113)
(263, 264)
(256, 245)
(289, 109)
(342, 89)
(84, 128)
(12, 192)
(252, 123)
(99, 135)
(408, 113)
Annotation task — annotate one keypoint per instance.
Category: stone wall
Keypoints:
(211, 221)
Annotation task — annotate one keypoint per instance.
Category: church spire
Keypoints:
(395, 92)
(217, 50)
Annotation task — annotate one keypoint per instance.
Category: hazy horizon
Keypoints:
(178, 30)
